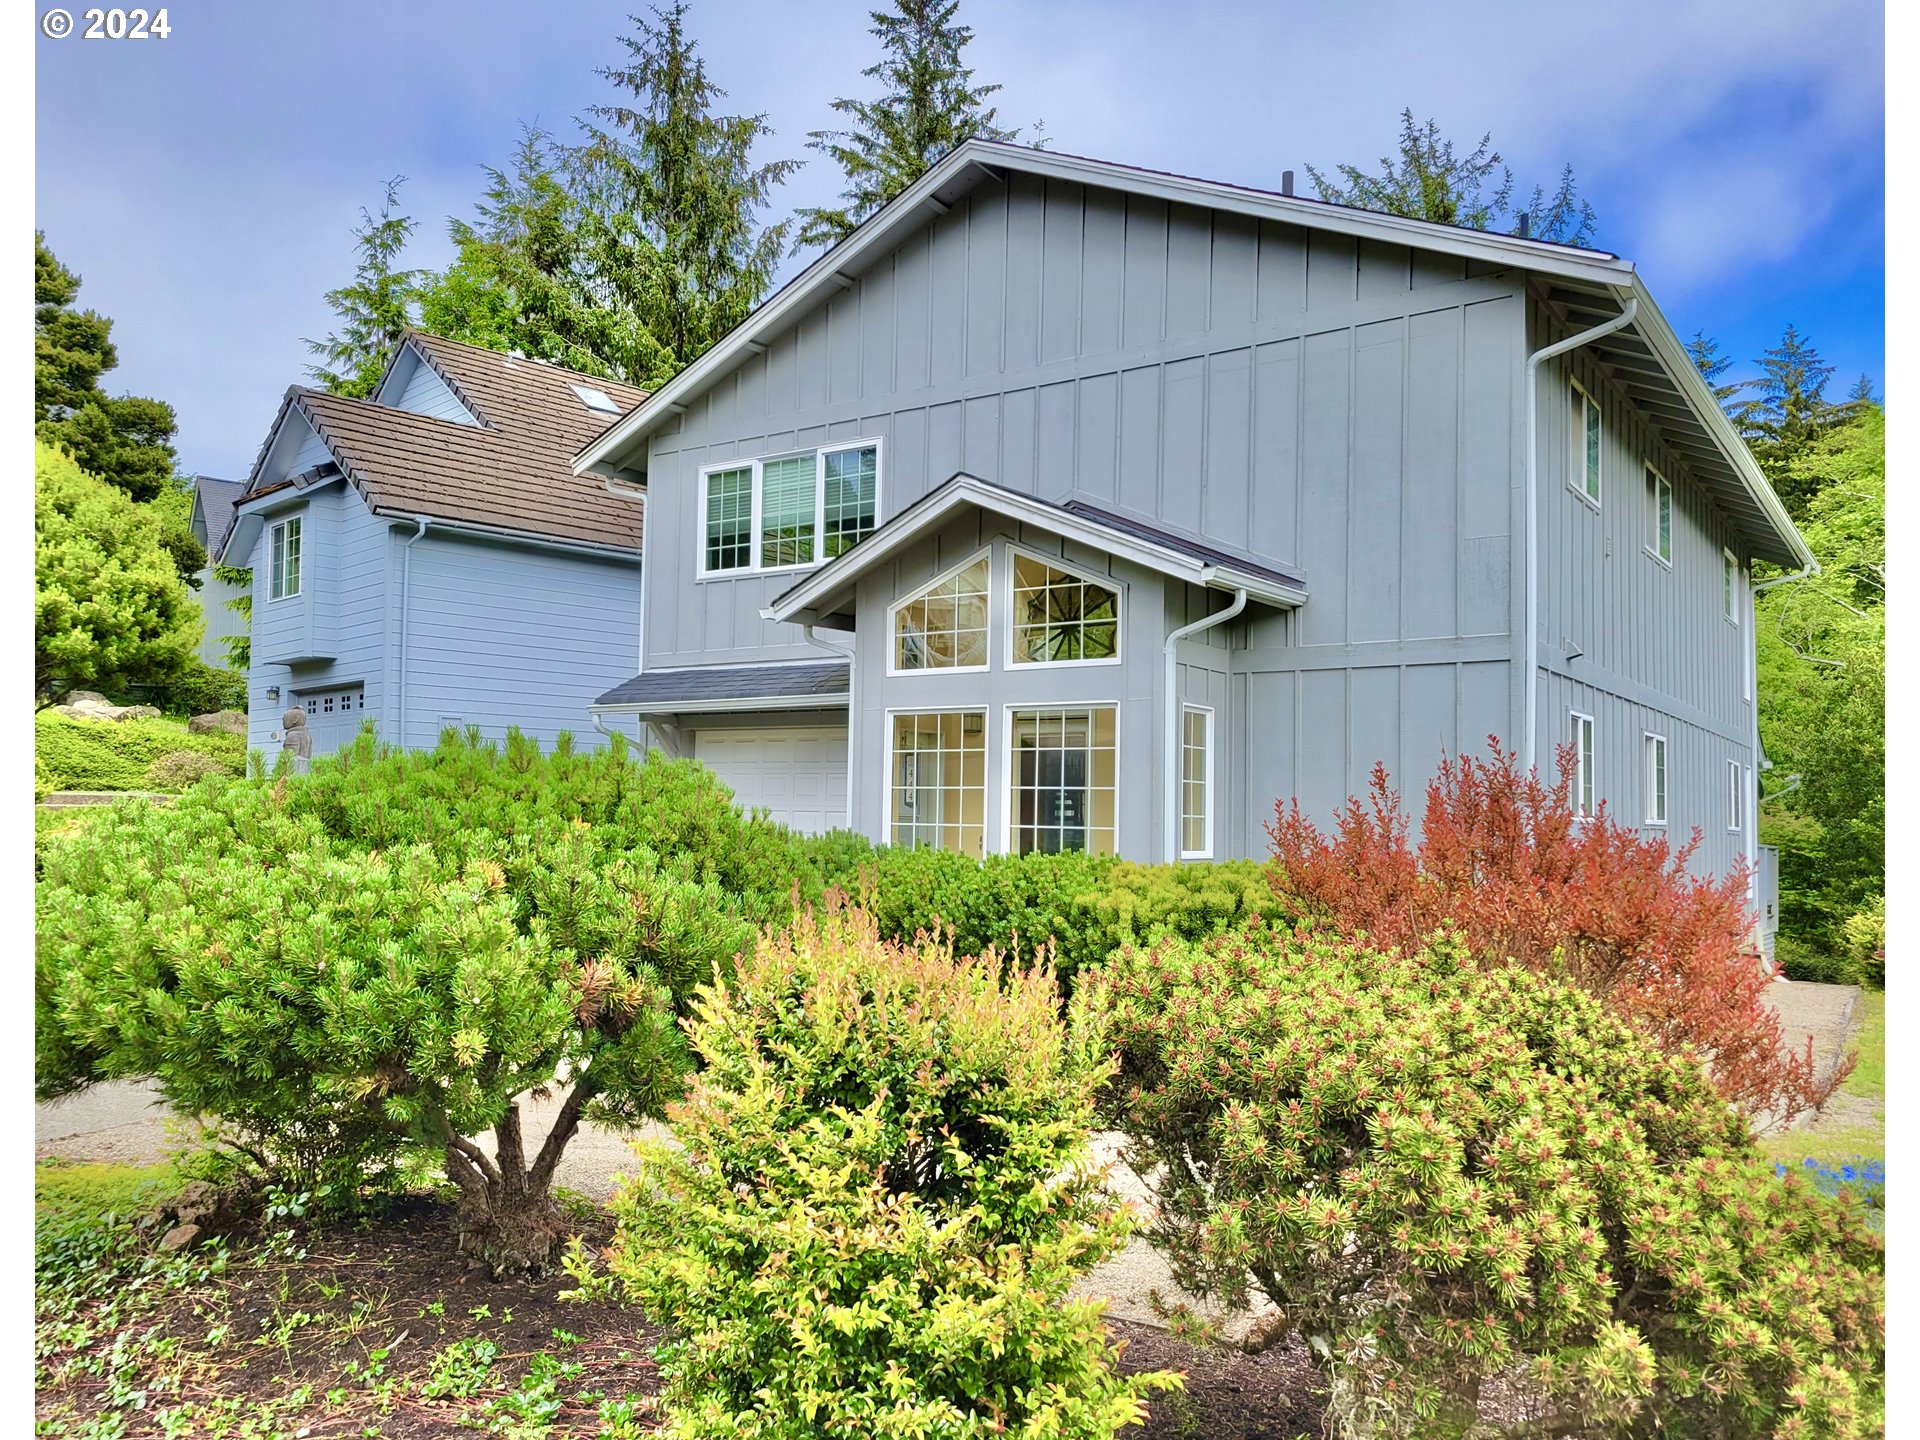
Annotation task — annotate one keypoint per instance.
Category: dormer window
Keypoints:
(283, 560)
(594, 399)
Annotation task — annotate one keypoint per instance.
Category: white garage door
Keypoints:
(799, 776)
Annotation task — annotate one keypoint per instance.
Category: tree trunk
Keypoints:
(506, 1214)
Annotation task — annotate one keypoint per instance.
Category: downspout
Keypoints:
(406, 591)
(806, 633)
(1531, 647)
(1171, 790)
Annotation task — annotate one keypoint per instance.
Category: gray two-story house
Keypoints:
(1071, 505)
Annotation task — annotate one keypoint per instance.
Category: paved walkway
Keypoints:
(124, 1122)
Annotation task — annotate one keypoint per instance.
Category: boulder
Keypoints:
(85, 705)
(179, 1237)
(226, 722)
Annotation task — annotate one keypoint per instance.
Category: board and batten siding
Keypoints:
(500, 636)
(1221, 376)
(1640, 645)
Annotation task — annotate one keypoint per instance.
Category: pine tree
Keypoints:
(1707, 359)
(1430, 181)
(126, 440)
(520, 281)
(672, 201)
(1788, 414)
(375, 308)
(928, 106)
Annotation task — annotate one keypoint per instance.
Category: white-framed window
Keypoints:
(786, 512)
(1583, 449)
(1736, 801)
(1059, 616)
(1656, 778)
(283, 559)
(1659, 517)
(937, 780)
(1196, 782)
(944, 626)
(1062, 793)
(1580, 736)
(1729, 587)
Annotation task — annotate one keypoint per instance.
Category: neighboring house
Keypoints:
(214, 502)
(426, 558)
(1067, 505)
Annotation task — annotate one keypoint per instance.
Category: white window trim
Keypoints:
(1664, 771)
(1660, 483)
(1206, 791)
(1574, 719)
(986, 765)
(757, 463)
(1736, 801)
(1105, 582)
(1730, 577)
(1577, 452)
(902, 603)
(279, 529)
(1012, 708)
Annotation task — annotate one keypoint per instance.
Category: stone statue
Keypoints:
(298, 740)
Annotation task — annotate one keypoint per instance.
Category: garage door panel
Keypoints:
(799, 776)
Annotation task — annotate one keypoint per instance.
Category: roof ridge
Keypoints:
(553, 365)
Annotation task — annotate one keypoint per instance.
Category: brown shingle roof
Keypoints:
(512, 472)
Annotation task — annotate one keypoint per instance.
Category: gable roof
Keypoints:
(214, 503)
(1580, 286)
(507, 474)
(1130, 539)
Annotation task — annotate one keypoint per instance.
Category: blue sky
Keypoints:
(205, 185)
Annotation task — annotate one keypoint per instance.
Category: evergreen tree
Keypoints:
(928, 106)
(375, 308)
(1788, 413)
(1707, 359)
(126, 440)
(672, 202)
(521, 280)
(1430, 181)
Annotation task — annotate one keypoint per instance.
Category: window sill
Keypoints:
(1027, 666)
(1654, 555)
(893, 674)
(1579, 492)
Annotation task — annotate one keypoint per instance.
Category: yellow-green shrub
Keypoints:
(882, 1199)
(75, 754)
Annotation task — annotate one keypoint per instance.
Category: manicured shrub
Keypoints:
(201, 689)
(882, 1199)
(1503, 857)
(178, 769)
(392, 951)
(1086, 906)
(1443, 1173)
(72, 754)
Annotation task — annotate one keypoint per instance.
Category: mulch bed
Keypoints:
(389, 1285)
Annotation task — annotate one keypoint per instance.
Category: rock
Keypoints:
(88, 706)
(226, 722)
(89, 697)
(179, 1237)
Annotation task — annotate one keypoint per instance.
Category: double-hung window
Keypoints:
(1659, 517)
(1582, 741)
(1729, 587)
(1583, 450)
(783, 512)
(1196, 782)
(1656, 779)
(283, 559)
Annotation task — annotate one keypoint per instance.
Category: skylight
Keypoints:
(596, 399)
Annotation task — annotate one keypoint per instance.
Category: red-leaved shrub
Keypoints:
(1504, 857)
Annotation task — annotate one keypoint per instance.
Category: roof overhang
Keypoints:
(821, 592)
(622, 444)
(730, 689)
(252, 511)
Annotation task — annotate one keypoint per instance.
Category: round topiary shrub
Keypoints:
(1445, 1174)
(882, 1200)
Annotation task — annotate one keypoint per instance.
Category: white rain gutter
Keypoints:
(806, 633)
(406, 592)
(1172, 756)
(1531, 647)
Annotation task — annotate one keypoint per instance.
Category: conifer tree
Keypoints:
(1430, 181)
(672, 200)
(375, 308)
(126, 440)
(1707, 359)
(1788, 413)
(928, 105)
